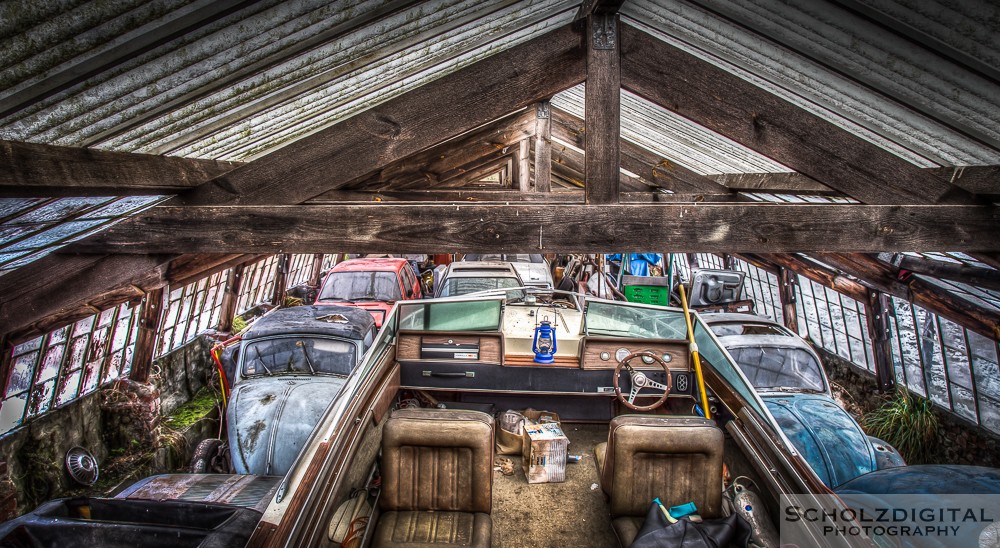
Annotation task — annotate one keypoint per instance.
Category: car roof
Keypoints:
(370, 265)
(334, 320)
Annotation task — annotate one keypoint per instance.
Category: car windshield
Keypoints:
(626, 321)
(514, 258)
(774, 367)
(454, 287)
(299, 355)
(361, 286)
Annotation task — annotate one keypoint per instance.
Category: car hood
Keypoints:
(828, 438)
(270, 419)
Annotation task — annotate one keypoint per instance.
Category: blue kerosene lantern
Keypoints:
(545, 343)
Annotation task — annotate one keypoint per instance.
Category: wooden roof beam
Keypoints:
(759, 120)
(979, 277)
(530, 228)
(31, 169)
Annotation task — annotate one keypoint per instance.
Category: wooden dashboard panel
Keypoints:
(594, 347)
(490, 347)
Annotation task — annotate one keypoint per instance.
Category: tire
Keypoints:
(209, 457)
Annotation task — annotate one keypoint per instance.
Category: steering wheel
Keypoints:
(639, 381)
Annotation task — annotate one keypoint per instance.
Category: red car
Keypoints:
(372, 284)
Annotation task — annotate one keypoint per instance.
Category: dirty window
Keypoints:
(299, 355)
(361, 286)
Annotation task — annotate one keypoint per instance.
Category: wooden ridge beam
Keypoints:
(31, 169)
(757, 119)
(532, 228)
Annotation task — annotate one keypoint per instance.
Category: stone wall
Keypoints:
(958, 441)
(118, 424)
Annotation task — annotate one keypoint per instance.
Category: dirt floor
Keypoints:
(571, 513)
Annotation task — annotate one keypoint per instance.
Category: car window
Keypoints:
(770, 367)
(463, 286)
(745, 328)
(361, 286)
(299, 355)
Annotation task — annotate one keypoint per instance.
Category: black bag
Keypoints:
(714, 533)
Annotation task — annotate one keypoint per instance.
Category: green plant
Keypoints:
(907, 422)
(239, 324)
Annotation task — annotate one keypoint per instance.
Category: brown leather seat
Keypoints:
(678, 459)
(437, 479)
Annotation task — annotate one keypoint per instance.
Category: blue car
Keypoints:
(789, 377)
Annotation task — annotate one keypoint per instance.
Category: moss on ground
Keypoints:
(193, 411)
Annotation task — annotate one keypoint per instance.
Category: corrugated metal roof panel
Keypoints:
(674, 137)
(801, 41)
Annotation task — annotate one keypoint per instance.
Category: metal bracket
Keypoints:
(543, 110)
(605, 31)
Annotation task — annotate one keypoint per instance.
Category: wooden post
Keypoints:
(145, 341)
(317, 270)
(786, 291)
(280, 279)
(602, 109)
(879, 331)
(231, 295)
(523, 178)
(6, 359)
(543, 147)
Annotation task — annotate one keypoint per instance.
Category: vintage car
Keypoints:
(285, 370)
(532, 268)
(371, 284)
(463, 278)
(790, 378)
(404, 455)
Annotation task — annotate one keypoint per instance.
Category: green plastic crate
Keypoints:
(646, 289)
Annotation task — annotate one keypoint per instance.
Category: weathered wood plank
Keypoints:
(507, 196)
(982, 180)
(786, 293)
(602, 109)
(444, 160)
(774, 183)
(148, 329)
(980, 277)
(523, 228)
(588, 7)
(751, 116)
(543, 147)
(491, 88)
(31, 169)
(877, 312)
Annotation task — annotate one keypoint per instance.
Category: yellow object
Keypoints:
(694, 355)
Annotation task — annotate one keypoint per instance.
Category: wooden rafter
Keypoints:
(438, 163)
(753, 117)
(421, 118)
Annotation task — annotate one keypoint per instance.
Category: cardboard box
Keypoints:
(544, 453)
